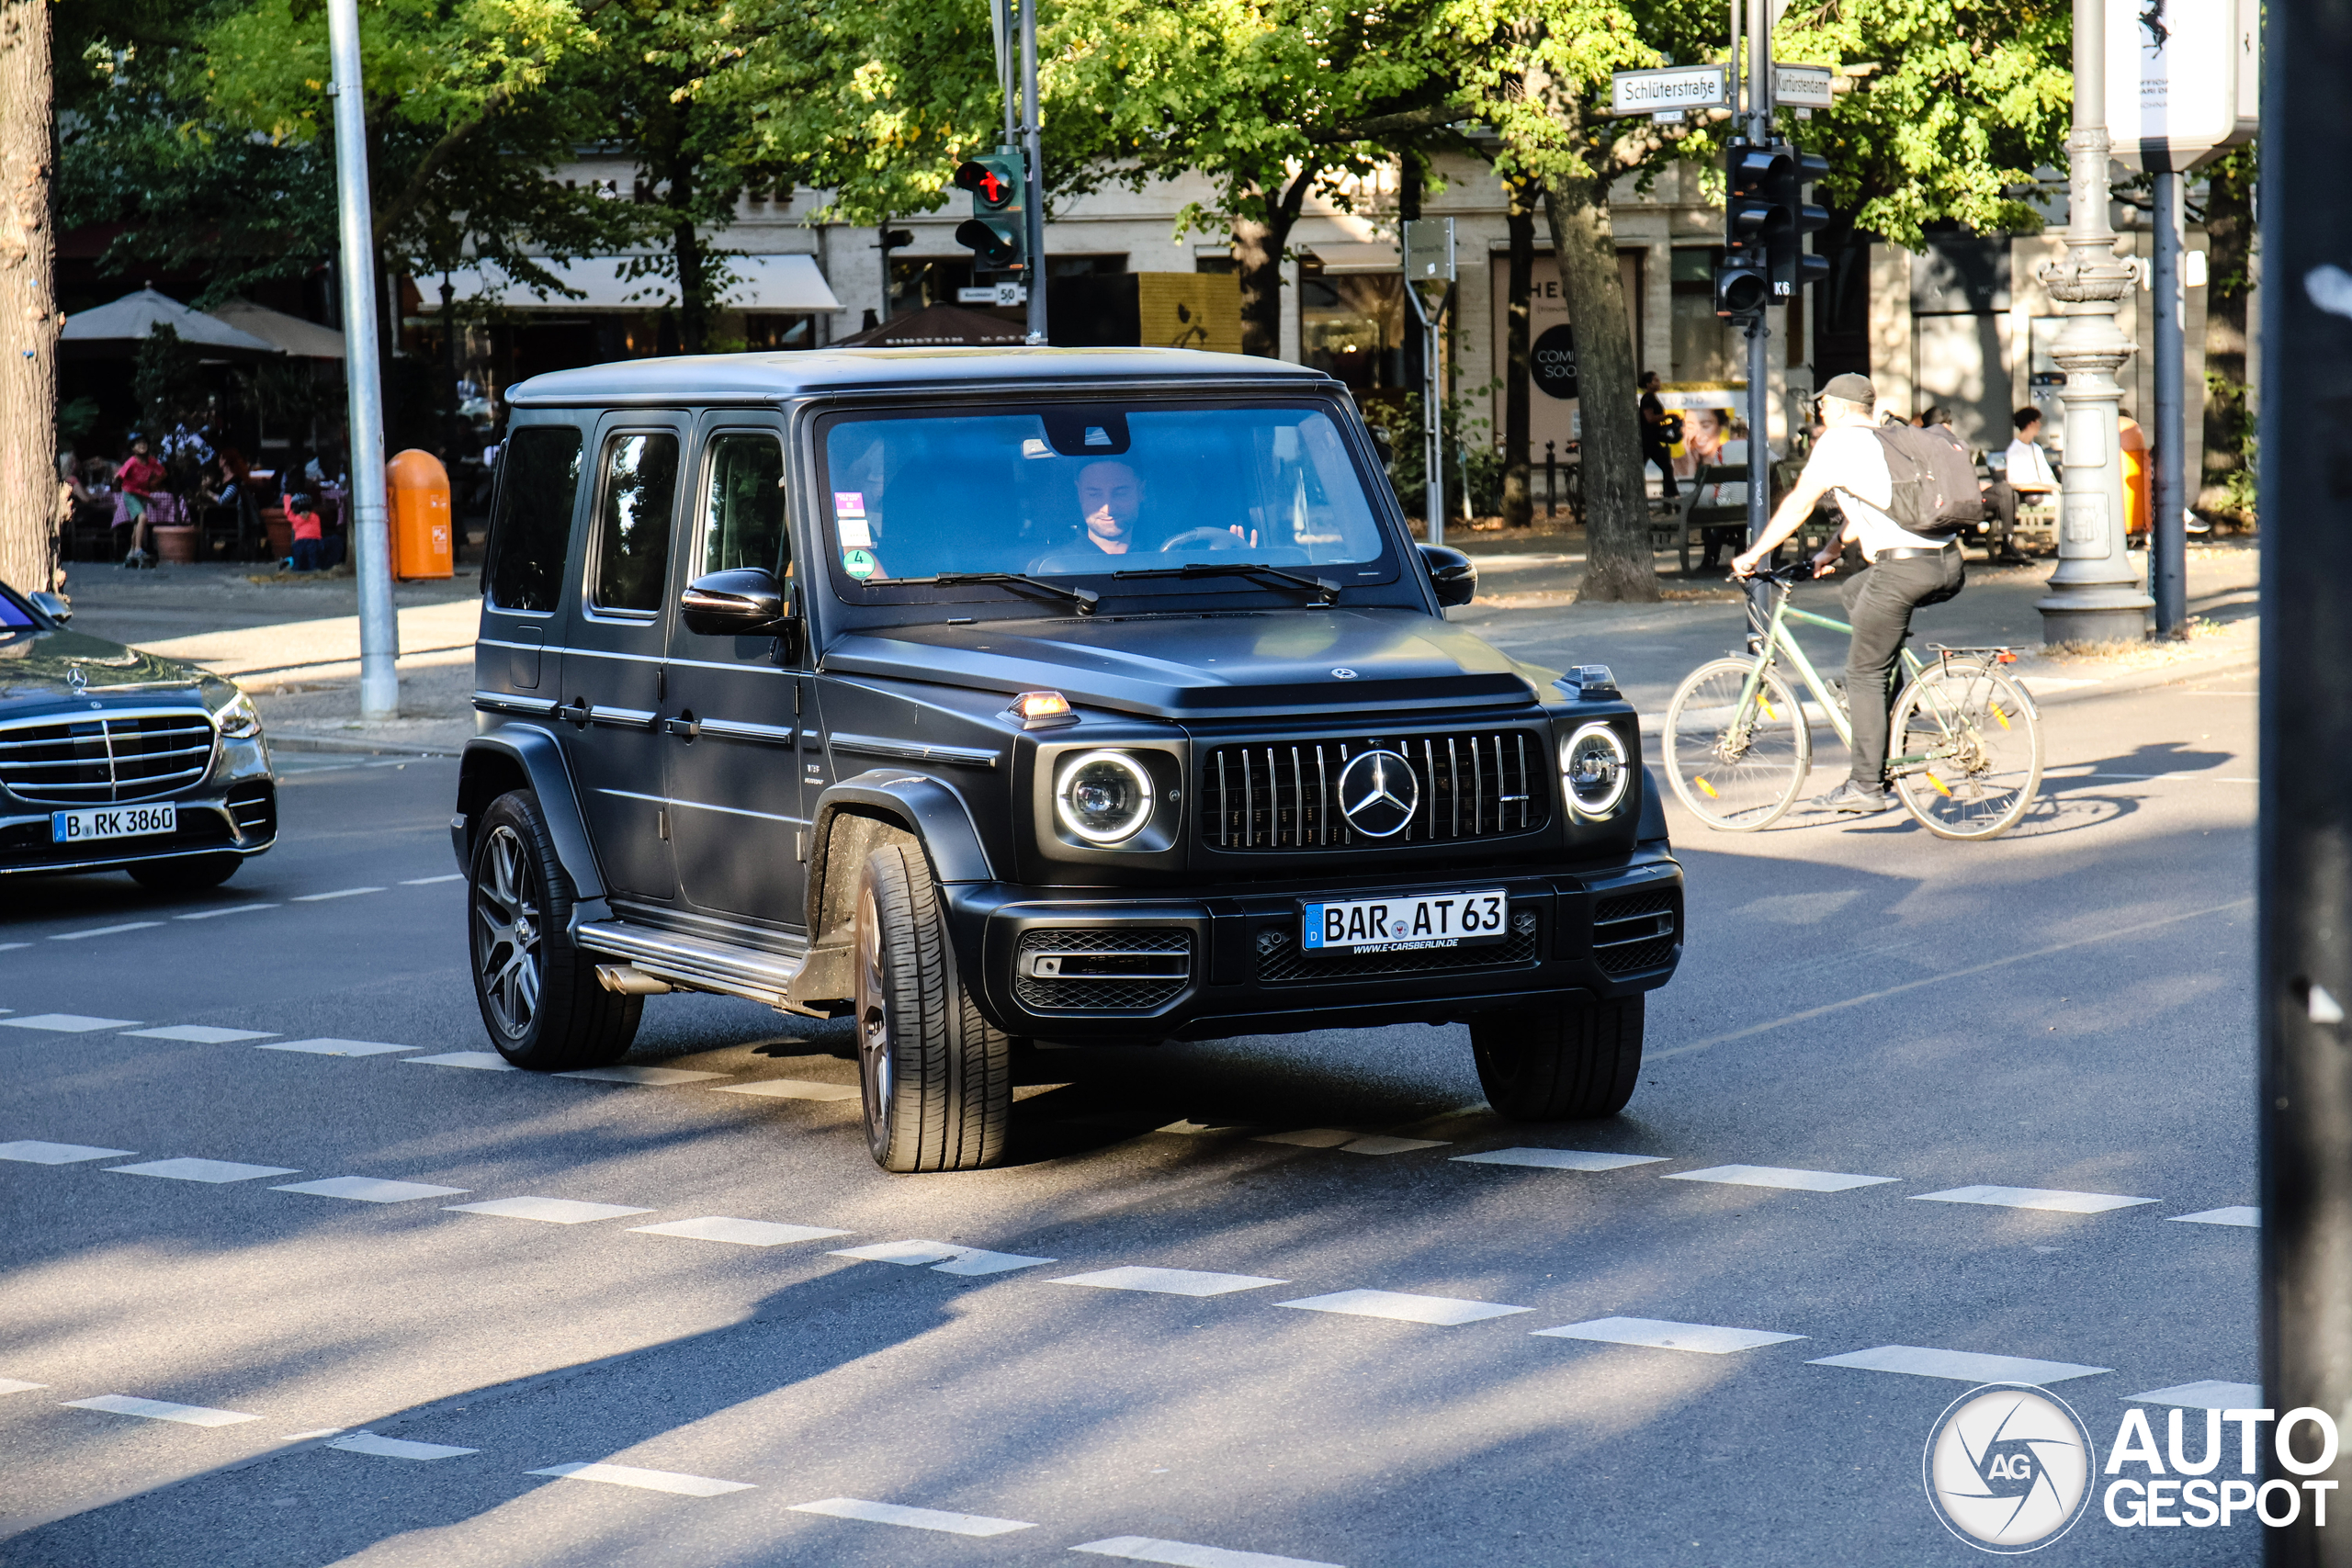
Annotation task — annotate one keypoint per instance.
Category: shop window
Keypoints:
(1353, 326)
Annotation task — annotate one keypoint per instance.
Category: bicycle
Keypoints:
(1964, 743)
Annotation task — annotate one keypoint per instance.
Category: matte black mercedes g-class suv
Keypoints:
(1089, 696)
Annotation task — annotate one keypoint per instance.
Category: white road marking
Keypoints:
(1188, 1128)
(553, 1210)
(484, 1061)
(200, 1035)
(231, 910)
(214, 1171)
(1167, 1282)
(2206, 1395)
(160, 1410)
(795, 1088)
(1558, 1159)
(338, 893)
(644, 1480)
(1444, 1310)
(912, 1519)
(2056, 1200)
(12, 946)
(1382, 1143)
(105, 931)
(306, 1436)
(11, 1385)
(429, 880)
(743, 1233)
(1707, 1339)
(944, 1258)
(31, 1151)
(369, 1189)
(330, 1046)
(67, 1022)
(2246, 1214)
(1353, 1143)
(1309, 1137)
(1778, 1175)
(396, 1448)
(641, 1075)
(1184, 1554)
(1960, 1366)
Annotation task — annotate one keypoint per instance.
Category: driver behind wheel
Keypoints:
(1110, 499)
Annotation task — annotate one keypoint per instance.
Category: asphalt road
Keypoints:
(1868, 1015)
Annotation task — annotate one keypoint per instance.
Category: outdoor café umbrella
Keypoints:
(116, 330)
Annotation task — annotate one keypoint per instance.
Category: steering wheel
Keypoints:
(1204, 539)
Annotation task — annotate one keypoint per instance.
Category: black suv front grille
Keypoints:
(1281, 959)
(1102, 971)
(1284, 795)
(106, 759)
(1635, 931)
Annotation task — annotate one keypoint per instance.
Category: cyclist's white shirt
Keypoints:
(1852, 464)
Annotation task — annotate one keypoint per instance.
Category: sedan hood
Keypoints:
(39, 671)
(1208, 665)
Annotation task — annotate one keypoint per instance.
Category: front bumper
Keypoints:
(1602, 933)
(233, 810)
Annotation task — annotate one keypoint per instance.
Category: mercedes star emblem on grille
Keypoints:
(1343, 673)
(75, 678)
(1378, 793)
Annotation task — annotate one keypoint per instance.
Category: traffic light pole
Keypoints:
(2167, 539)
(1034, 189)
(1760, 333)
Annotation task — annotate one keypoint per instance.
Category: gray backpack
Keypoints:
(1936, 494)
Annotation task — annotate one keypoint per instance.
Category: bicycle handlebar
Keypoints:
(1789, 576)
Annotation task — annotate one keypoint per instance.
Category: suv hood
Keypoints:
(1201, 665)
(38, 670)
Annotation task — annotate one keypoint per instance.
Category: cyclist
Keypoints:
(1905, 570)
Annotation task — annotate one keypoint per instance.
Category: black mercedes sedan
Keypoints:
(113, 760)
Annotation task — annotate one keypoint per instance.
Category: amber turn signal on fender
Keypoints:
(1041, 710)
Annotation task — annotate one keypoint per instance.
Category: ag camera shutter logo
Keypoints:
(2008, 1468)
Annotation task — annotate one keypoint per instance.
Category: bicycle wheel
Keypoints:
(1964, 750)
(1737, 745)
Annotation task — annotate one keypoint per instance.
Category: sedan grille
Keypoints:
(1285, 795)
(107, 759)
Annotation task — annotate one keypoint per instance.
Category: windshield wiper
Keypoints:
(1084, 599)
(1325, 593)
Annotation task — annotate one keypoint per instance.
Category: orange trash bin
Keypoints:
(2134, 442)
(419, 488)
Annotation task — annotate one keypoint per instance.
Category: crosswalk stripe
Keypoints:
(795, 1088)
(212, 1171)
(1185, 1554)
(743, 1233)
(944, 1258)
(1960, 1366)
(1706, 1338)
(1781, 1177)
(67, 1022)
(1558, 1159)
(481, 1061)
(911, 1519)
(2208, 1394)
(2055, 1200)
(670, 1481)
(31, 1151)
(396, 1448)
(330, 1046)
(1167, 1282)
(368, 1190)
(550, 1211)
(199, 1034)
(160, 1410)
(2246, 1214)
(338, 893)
(1445, 1311)
(641, 1075)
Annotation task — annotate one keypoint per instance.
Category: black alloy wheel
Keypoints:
(539, 996)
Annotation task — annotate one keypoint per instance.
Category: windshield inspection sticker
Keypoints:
(849, 503)
(860, 564)
(856, 531)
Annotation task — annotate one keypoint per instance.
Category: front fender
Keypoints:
(885, 800)
(522, 756)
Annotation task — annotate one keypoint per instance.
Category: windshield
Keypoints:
(1070, 489)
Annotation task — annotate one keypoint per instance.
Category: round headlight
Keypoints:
(1593, 766)
(1104, 797)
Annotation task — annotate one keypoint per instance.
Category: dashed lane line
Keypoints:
(481, 1061)
(16, 1385)
(338, 893)
(2055, 1200)
(1349, 1142)
(1960, 1366)
(160, 1410)
(911, 1519)
(105, 931)
(432, 881)
(1445, 1311)
(1185, 1554)
(67, 1022)
(636, 1074)
(202, 1034)
(1658, 1334)
(32, 1151)
(740, 1233)
(231, 910)
(1558, 1159)
(369, 1189)
(1781, 1177)
(2206, 1394)
(2246, 1214)
(397, 1448)
(213, 1172)
(795, 1088)
(1168, 1282)
(669, 1481)
(548, 1210)
(944, 1258)
(330, 1046)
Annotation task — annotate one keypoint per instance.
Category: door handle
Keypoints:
(579, 713)
(684, 724)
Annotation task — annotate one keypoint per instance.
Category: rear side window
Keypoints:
(641, 494)
(744, 521)
(538, 482)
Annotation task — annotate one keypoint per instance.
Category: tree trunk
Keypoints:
(28, 505)
(686, 249)
(1519, 497)
(1618, 561)
(1258, 257)
(2229, 222)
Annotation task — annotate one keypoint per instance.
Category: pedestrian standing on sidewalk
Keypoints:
(136, 482)
(1906, 570)
(303, 517)
(1659, 431)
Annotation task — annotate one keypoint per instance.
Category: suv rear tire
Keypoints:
(538, 993)
(191, 875)
(937, 1078)
(1562, 1061)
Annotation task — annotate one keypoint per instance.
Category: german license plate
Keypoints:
(111, 822)
(1406, 924)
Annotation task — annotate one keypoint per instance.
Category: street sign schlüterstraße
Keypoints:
(1675, 87)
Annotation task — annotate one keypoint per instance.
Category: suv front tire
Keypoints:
(1565, 1061)
(539, 992)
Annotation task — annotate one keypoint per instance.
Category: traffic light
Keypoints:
(1753, 220)
(1792, 268)
(996, 231)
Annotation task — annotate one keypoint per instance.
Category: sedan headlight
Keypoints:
(1104, 797)
(236, 718)
(1593, 765)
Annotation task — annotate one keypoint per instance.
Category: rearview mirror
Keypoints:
(744, 601)
(1453, 574)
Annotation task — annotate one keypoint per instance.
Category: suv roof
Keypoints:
(758, 376)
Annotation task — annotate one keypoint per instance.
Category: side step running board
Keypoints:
(748, 972)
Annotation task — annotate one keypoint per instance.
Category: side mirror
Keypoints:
(745, 601)
(1452, 573)
(53, 605)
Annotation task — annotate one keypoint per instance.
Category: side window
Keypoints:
(744, 513)
(640, 488)
(539, 480)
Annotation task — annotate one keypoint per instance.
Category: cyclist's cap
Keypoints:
(1852, 389)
